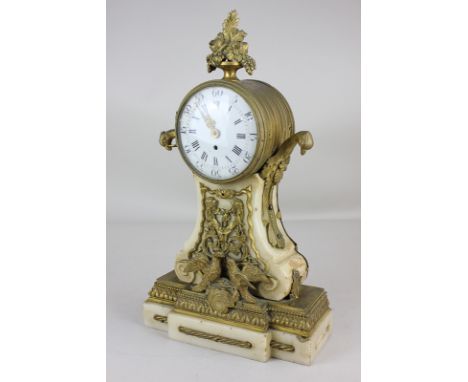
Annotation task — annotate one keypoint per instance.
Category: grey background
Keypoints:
(310, 51)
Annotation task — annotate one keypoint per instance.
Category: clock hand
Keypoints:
(209, 122)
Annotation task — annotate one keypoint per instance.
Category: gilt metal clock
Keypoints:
(237, 281)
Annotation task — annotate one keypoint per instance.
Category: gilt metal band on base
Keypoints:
(215, 338)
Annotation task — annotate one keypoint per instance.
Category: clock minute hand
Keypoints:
(209, 122)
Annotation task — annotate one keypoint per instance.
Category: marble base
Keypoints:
(255, 345)
(305, 350)
(292, 329)
(155, 315)
(226, 338)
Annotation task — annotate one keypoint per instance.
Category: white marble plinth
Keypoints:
(153, 315)
(225, 338)
(259, 346)
(305, 350)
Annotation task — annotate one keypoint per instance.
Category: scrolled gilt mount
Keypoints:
(237, 137)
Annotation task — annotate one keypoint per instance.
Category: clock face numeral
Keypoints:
(195, 145)
(233, 170)
(217, 92)
(237, 150)
(236, 99)
(217, 133)
(188, 109)
(199, 98)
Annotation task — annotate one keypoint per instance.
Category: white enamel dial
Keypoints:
(217, 133)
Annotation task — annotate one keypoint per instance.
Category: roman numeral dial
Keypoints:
(217, 133)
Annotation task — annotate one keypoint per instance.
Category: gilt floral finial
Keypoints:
(229, 47)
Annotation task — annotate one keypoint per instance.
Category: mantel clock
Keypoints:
(237, 282)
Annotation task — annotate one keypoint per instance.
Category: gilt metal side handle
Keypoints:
(168, 139)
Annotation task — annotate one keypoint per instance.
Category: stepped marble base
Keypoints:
(293, 330)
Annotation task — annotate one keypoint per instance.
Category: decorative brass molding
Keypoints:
(245, 315)
(225, 250)
(229, 51)
(215, 338)
(163, 294)
(166, 289)
(281, 346)
(272, 173)
(296, 316)
(168, 139)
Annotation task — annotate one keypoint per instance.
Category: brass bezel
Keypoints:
(271, 113)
